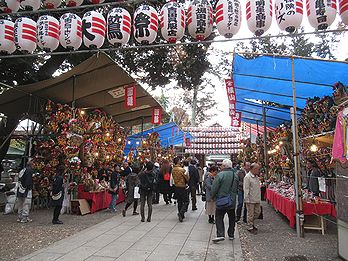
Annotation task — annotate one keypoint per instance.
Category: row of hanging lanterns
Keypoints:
(212, 151)
(214, 145)
(92, 29)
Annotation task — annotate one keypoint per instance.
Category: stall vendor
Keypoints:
(313, 174)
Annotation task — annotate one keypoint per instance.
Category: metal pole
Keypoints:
(250, 131)
(265, 150)
(298, 190)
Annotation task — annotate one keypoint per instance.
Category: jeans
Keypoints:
(193, 196)
(240, 205)
(56, 212)
(146, 196)
(112, 205)
(219, 220)
(23, 205)
(183, 200)
(254, 211)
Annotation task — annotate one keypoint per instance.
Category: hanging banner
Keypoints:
(231, 92)
(156, 115)
(130, 96)
(232, 109)
(188, 142)
(236, 120)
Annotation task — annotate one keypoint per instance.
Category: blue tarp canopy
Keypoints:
(169, 134)
(269, 78)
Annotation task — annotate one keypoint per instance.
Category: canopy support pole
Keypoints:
(298, 190)
(257, 127)
(250, 131)
(265, 150)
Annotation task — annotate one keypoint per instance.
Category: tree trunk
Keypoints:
(194, 106)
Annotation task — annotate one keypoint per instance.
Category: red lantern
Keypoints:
(70, 31)
(9, 6)
(71, 3)
(31, 5)
(145, 24)
(25, 34)
(200, 19)
(51, 4)
(289, 14)
(119, 26)
(259, 16)
(172, 20)
(228, 17)
(322, 15)
(93, 27)
(344, 11)
(7, 44)
(96, 1)
(47, 33)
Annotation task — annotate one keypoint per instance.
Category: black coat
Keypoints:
(147, 179)
(114, 182)
(57, 187)
(194, 176)
(26, 181)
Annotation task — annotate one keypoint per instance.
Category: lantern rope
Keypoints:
(135, 47)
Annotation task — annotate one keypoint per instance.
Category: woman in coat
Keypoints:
(164, 182)
(58, 194)
(210, 202)
(132, 181)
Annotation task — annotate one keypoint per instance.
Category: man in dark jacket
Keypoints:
(146, 178)
(126, 169)
(313, 175)
(193, 183)
(114, 185)
(24, 193)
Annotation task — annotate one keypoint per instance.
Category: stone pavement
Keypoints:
(164, 239)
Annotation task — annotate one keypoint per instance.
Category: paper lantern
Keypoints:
(9, 6)
(96, 1)
(344, 11)
(259, 16)
(31, 5)
(47, 33)
(93, 27)
(289, 14)
(25, 34)
(200, 19)
(71, 3)
(172, 19)
(70, 31)
(119, 26)
(321, 13)
(51, 4)
(228, 15)
(7, 44)
(145, 24)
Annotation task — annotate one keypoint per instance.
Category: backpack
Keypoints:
(147, 181)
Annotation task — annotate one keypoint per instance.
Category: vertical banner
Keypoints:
(231, 92)
(156, 115)
(130, 96)
(232, 109)
(236, 120)
(188, 142)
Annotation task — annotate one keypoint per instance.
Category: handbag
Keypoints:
(56, 196)
(225, 202)
(136, 193)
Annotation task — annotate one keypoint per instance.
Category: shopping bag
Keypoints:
(136, 192)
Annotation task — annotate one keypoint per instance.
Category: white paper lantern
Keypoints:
(25, 34)
(9, 6)
(321, 13)
(7, 44)
(51, 4)
(31, 4)
(344, 11)
(94, 28)
(48, 33)
(172, 19)
(259, 15)
(70, 31)
(200, 19)
(289, 14)
(119, 26)
(145, 24)
(71, 3)
(228, 15)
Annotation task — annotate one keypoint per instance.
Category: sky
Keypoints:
(220, 92)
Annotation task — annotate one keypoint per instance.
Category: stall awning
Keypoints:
(98, 82)
(170, 134)
(269, 78)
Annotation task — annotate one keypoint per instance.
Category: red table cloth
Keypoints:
(288, 207)
(99, 200)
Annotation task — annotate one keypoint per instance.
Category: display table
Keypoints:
(288, 207)
(99, 200)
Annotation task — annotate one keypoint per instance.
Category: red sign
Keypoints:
(130, 96)
(156, 115)
(236, 120)
(188, 142)
(232, 109)
(231, 92)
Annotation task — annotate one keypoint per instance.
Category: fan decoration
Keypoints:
(150, 148)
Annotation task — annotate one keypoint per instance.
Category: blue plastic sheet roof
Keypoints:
(169, 134)
(269, 78)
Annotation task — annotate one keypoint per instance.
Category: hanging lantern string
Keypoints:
(109, 49)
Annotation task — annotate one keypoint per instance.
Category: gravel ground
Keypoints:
(277, 241)
(18, 239)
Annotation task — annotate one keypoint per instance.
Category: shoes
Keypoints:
(29, 220)
(148, 220)
(213, 221)
(123, 213)
(218, 239)
(23, 221)
(181, 219)
(253, 231)
(237, 220)
(193, 209)
(135, 213)
(143, 220)
(255, 228)
(19, 220)
(167, 203)
(231, 238)
(57, 222)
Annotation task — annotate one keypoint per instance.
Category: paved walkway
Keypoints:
(164, 239)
